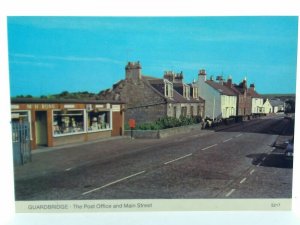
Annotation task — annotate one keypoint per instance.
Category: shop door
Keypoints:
(41, 128)
(117, 124)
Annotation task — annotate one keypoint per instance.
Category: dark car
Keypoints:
(289, 149)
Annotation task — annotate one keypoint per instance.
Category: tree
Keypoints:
(290, 106)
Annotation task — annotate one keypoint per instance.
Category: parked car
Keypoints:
(289, 150)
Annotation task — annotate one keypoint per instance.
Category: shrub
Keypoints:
(168, 122)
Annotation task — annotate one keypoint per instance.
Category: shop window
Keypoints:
(99, 120)
(68, 122)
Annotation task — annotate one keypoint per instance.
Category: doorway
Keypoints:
(41, 128)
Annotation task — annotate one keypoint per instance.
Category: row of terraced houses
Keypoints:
(145, 98)
(149, 98)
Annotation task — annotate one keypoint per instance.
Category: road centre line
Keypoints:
(243, 180)
(264, 158)
(238, 135)
(178, 158)
(68, 169)
(230, 192)
(209, 147)
(227, 140)
(252, 171)
(114, 182)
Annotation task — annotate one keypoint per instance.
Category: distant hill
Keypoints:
(282, 97)
(66, 95)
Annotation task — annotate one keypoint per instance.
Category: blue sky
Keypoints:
(48, 55)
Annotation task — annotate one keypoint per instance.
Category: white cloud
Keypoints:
(66, 58)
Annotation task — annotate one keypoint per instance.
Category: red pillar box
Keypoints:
(132, 123)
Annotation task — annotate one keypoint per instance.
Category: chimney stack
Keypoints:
(229, 82)
(202, 75)
(133, 71)
(220, 79)
(178, 77)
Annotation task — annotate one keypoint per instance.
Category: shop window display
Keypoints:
(98, 120)
(68, 122)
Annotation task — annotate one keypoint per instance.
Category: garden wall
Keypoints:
(162, 133)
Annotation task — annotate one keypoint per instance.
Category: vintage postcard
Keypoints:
(122, 114)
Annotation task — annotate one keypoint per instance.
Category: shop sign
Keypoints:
(116, 108)
(40, 106)
(47, 106)
(99, 106)
(15, 106)
(69, 106)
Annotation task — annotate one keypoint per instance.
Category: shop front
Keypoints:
(59, 122)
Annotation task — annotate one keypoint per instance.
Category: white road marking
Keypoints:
(68, 169)
(178, 158)
(252, 171)
(230, 192)
(227, 140)
(258, 165)
(209, 147)
(243, 180)
(264, 158)
(238, 135)
(114, 182)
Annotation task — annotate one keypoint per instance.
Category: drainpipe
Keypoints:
(214, 108)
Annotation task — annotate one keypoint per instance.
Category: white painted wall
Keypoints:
(228, 105)
(267, 107)
(257, 105)
(212, 99)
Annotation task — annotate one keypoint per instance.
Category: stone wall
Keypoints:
(146, 113)
(150, 134)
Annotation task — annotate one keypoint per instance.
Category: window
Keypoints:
(174, 111)
(195, 92)
(19, 116)
(184, 111)
(192, 111)
(99, 120)
(168, 89)
(68, 122)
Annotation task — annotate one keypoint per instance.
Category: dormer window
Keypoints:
(186, 91)
(195, 92)
(168, 89)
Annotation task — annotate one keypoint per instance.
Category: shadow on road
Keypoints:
(272, 160)
(266, 126)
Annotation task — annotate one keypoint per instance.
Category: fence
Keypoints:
(21, 142)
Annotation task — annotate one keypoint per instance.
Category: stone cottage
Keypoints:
(149, 98)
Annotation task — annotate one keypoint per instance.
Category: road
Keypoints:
(242, 161)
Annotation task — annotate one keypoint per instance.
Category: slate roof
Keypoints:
(254, 94)
(276, 102)
(158, 85)
(221, 88)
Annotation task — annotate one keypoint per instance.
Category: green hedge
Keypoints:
(167, 122)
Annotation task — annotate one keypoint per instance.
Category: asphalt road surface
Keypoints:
(243, 161)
